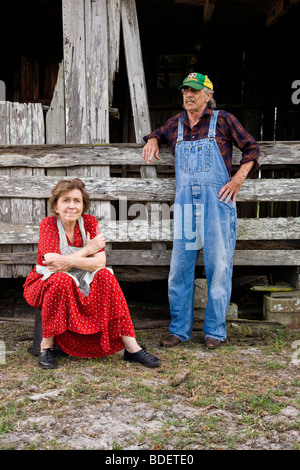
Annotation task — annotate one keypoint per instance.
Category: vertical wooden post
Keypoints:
(55, 117)
(74, 71)
(85, 31)
(5, 206)
(97, 80)
(135, 69)
(114, 22)
(138, 93)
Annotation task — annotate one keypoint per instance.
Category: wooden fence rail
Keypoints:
(139, 244)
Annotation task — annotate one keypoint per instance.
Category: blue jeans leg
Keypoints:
(181, 290)
(218, 249)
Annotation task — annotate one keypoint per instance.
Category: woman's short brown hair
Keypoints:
(64, 186)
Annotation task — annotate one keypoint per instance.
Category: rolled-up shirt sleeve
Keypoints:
(167, 134)
(159, 135)
(243, 141)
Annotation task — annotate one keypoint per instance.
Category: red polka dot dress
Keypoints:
(83, 326)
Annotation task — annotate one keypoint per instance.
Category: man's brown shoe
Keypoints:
(170, 341)
(212, 343)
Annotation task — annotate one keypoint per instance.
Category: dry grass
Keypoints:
(244, 395)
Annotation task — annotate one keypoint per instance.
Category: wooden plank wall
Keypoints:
(80, 106)
(20, 123)
(91, 31)
(141, 248)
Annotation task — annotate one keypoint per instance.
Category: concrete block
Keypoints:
(232, 312)
(200, 298)
(282, 309)
(200, 301)
(282, 304)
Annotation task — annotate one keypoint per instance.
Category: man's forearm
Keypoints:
(233, 186)
(245, 169)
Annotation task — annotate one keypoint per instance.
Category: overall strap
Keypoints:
(212, 124)
(180, 129)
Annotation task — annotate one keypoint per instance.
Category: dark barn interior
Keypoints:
(247, 48)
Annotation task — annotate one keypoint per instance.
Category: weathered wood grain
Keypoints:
(55, 117)
(272, 154)
(74, 71)
(162, 258)
(91, 163)
(152, 189)
(22, 123)
(135, 69)
(96, 64)
(113, 22)
(158, 231)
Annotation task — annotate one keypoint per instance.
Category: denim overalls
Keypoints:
(201, 221)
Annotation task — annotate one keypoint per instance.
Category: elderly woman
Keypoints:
(83, 307)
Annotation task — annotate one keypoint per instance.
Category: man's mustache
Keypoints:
(190, 100)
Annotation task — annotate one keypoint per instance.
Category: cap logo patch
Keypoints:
(192, 76)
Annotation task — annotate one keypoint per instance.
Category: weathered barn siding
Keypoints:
(20, 123)
(137, 222)
(81, 108)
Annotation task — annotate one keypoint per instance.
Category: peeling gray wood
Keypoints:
(135, 69)
(272, 153)
(4, 123)
(76, 155)
(23, 123)
(114, 22)
(37, 123)
(281, 228)
(96, 63)
(74, 71)
(266, 258)
(5, 216)
(153, 189)
(85, 33)
(55, 117)
(162, 258)
(156, 231)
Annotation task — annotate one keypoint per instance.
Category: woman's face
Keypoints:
(69, 206)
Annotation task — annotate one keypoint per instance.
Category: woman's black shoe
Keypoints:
(143, 357)
(47, 359)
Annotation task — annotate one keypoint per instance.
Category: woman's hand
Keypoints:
(96, 244)
(57, 263)
(89, 257)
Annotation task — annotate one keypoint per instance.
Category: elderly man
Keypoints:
(204, 209)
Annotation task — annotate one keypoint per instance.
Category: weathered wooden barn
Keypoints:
(248, 48)
(82, 81)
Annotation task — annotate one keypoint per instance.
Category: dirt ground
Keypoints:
(243, 396)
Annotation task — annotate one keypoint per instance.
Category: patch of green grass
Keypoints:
(246, 403)
(275, 365)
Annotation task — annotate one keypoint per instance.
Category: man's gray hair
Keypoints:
(212, 103)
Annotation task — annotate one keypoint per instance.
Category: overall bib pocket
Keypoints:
(195, 157)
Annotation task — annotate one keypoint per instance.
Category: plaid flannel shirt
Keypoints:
(229, 131)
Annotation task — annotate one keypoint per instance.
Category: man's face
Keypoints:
(195, 100)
